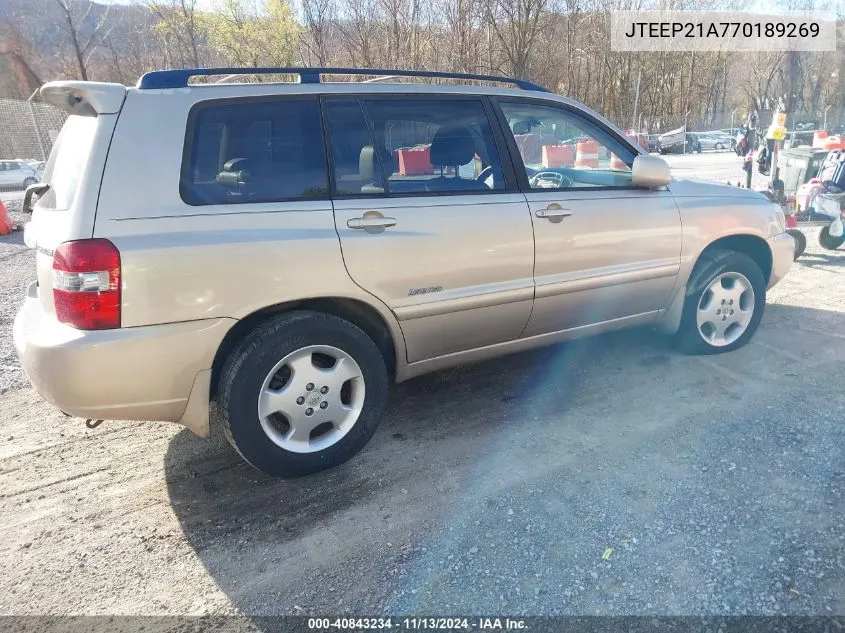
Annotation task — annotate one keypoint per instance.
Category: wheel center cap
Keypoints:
(313, 399)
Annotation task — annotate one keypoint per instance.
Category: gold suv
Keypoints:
(290, 249)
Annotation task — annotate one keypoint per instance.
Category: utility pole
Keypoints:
(637, 101)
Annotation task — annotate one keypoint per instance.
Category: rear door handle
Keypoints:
(553, 212)
(371, 223)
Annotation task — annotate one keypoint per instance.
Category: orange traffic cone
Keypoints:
(6, 225)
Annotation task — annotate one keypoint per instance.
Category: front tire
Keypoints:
(29, 182)
(726, 296)
(303, 392)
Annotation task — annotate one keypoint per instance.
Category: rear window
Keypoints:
(254, 151)
(67, 162)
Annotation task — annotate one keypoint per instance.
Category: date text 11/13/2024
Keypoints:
(417, 624)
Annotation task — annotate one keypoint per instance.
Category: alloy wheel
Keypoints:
(725, 309)
(311, 399)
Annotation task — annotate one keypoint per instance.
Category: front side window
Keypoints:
(254, 151)
(563, 150)
(405, 146)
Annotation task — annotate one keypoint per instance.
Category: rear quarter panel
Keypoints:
(183, 262)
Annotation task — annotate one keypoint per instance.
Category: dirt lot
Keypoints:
(717, 481)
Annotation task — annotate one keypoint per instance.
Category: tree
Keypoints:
(254, 33)
(179, 31)
(83, 48)
(319, 16)
(516, 25)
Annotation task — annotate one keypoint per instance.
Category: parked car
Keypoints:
(715, 141)
(37, 166)
(653, 142)
(16, 174)
(678, 142)
(290, 249)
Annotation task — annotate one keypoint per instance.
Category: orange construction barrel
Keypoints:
(557, 156)
(587, 154)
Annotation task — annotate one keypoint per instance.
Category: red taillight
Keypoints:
(86, 284)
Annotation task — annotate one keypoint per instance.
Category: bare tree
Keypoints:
(319, 18)
(516, 25)
(83, 48)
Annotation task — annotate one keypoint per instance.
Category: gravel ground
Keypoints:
(711, 485)
(17, 269)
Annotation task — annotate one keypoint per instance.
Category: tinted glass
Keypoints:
(562, 150)
(402, 146)
(255, 151)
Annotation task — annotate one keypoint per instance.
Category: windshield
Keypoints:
(67, 162)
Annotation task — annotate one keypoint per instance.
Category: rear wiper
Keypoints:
(38, 189)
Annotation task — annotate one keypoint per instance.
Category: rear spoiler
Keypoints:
(85, 98)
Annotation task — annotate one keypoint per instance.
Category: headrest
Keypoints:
(452, 145)
(366, 162)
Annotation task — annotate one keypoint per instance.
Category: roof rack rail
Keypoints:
(178, 78)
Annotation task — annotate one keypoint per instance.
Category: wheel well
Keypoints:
(754, 247)
(357, 312)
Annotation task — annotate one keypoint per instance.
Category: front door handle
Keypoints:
(371, 223)
(553, 212)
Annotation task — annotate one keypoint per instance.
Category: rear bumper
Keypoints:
(139, 373)
(783, 254)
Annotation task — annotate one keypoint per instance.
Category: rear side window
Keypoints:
(254, 151)
(398, 146)
(67, 162)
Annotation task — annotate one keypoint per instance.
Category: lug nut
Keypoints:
(324, 390)
(324, 404)
(731, 302)
(309, 386)
(309, 411)
(718, 312)
(300, 400)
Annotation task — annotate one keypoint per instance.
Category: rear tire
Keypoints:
(828, 241)
(29, 182)
(318, 413)
(719, 277)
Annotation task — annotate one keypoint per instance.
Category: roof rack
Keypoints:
(178, 78)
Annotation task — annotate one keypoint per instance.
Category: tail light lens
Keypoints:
(86, 284)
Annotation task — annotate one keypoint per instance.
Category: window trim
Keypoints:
(499, 141)
(577, 113)
(187, 147)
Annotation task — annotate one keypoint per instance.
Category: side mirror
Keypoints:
(37, 189)
(650, 171)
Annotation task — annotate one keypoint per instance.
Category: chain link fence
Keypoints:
(28, 129)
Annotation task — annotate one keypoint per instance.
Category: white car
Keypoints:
(15, 174)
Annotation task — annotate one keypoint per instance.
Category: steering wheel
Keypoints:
(485, 174)
(555, 180)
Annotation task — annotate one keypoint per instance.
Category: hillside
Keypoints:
(37, 30)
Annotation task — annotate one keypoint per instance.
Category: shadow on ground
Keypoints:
(497, 487)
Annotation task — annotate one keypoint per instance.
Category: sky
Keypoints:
(757, 6)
